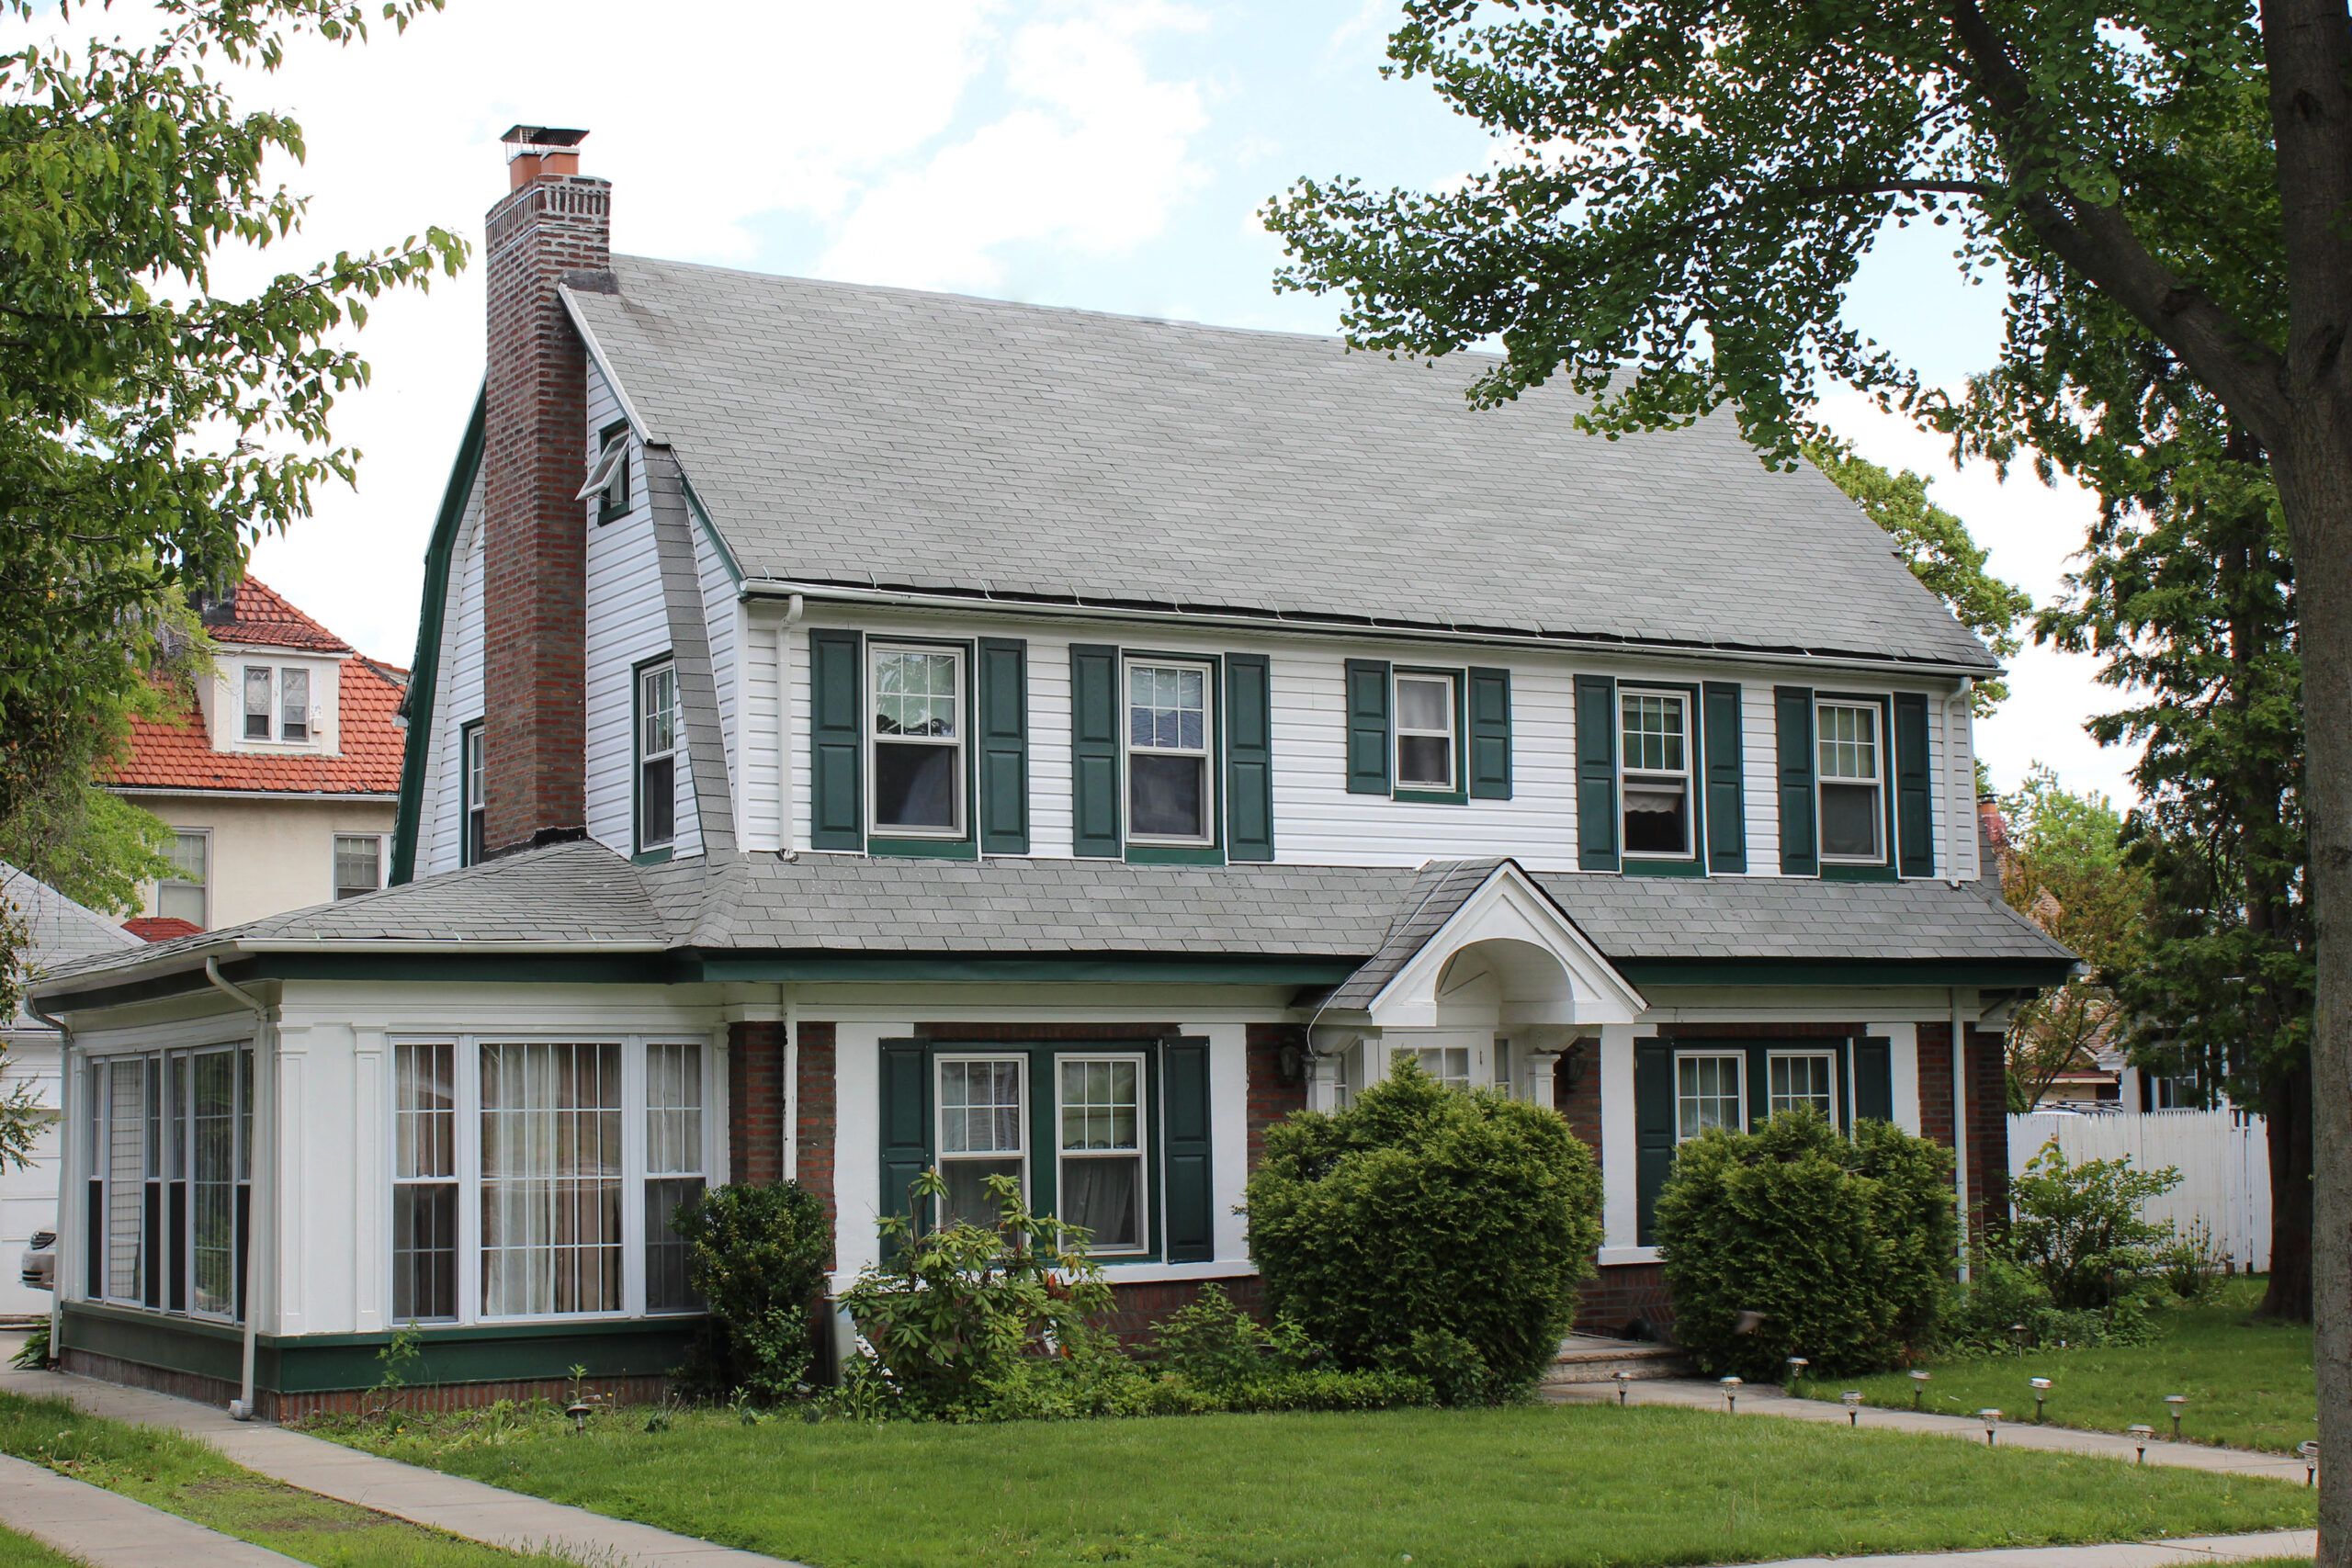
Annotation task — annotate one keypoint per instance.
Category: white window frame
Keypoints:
(1686, 775)
(172, 1161)
(205, 836)
(1775, 1104)
(276, 713)
(1210, 804)
(1876, 782)
(286, 710)
(1400, 732)
(1738, 1059)
(469, 1137)
(453, 1180)
(334, 856)
(1141, 1154)
(645, 755)
(1419, 1054)
(608, 484)
(269, 674)
(941, 1158)
(473, 783)
(875, 654)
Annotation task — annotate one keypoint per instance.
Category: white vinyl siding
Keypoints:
(456, 699)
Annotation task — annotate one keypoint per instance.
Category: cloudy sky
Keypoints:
(1107, 154)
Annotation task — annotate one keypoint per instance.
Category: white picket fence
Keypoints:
(2223, 1163)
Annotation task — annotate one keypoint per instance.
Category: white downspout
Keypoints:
(265, 1119)
(794, 608)
(69, 1106)
(1960, 1125)
(791, 1084)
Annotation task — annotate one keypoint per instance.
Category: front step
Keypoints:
(1584, 1359)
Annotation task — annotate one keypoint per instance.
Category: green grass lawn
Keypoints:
(24, 1551)
(2249, 1385)
(185, 1477)
(1524, 1486)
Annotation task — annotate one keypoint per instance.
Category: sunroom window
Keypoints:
(1853, 810)
(919, 741)
(169, 1176)
(1170, 791)
(1656, 768)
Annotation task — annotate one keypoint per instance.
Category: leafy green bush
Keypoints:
(1982, 1316)
(757, 1257)
(1211, 1343)
(1464, 1222)
(1792, 1240)
(2079, 1230)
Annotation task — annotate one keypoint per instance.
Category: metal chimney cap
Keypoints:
(521, 139)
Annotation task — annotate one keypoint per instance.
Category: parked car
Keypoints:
(38, 1265)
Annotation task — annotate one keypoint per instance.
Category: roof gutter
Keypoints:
(208, 956)
(1277, 622)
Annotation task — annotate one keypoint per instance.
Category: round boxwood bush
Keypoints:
(757, 1255)
(1792, 1240)
(1429, 1232)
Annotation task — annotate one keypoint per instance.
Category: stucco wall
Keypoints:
(269, 856)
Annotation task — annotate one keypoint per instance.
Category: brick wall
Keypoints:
(1272, 1096)
(1134, 1308)
(756, 1102)
(1626, 1301)
(813, 1114)
(1988, 1105)
(535, 455)
(1580, 1105)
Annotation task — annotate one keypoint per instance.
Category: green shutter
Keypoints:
(1094, 750)
(1597, 773)
(1874, 1080)
(836, 722)
(1726, 791)
(1489, 734)
(1793, 716)
(1914, 819)
(1758, 1072)
(1249, 758)
(1185, 1173)
(906, 1120)
(1368, 734)
(1004, 746)
(1652, 1130)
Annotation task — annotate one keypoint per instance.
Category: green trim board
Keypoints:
(710, 531)
(335, 1363)
(424, 665)
(1982, 974)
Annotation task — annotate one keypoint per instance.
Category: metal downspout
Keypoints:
(1960, 1125)
(264, 1126)
(67, 1106)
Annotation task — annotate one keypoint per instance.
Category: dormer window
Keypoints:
(609, 476)
(277, 704)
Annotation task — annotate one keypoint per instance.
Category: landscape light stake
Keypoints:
(2180, 1401)
(1731, 1397)
(2017, 1338)
(2140, 1433)
(1852, 1400)
(1991, 1418)
(2041, 1392)
(2310, 1454)
(579, 1410)
(1918, 1387)
(1797, 1364)
(1624, 1382)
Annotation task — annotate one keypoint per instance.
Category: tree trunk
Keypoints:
(2287, 1116)
(2315, 474)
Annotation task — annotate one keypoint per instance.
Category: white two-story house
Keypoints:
(855, 730)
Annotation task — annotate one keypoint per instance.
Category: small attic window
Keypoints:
(608, 478)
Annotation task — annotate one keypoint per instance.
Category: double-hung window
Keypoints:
(258, 699)
(1100, 1177)
(918, 742)
(1171, 788)
(657, 756)
(1654, 764)
(186, 893)
(358, 864)
(1708, 1093)
(1802, 1080)
(983, 1131)
(294, 704)
(473, 815)
(1853, 805)
(277, 704)
(538, 1178)
(1427, 731)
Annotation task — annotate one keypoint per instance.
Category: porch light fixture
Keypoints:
(1731, 1397)
(2179, 1403)
(1797, 1364)
(1918, 1388)
(2040, 1387)
(1852, 1400)
(1991, 1418)
(1624, 1382)
(2308, 1454)
(2140, 1433)
(1572, 1066)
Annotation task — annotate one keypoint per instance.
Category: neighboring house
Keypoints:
(58, 931)
(278, 772)
(858, 730)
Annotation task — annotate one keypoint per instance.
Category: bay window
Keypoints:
(1171, 787)
(1853, 808)
(1655, 767)
(537, 1179)
(918, 741)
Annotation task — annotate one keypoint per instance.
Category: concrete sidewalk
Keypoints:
(461, 1507)
(1763, 1399)
(2153, 1554)
(107, 1529)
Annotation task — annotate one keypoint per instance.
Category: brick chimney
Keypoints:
(553, 222)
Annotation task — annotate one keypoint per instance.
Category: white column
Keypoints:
(1619, 1193)
(1903, 1062)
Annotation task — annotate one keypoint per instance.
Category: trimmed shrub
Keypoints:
(1428, 1232)
(2079, 1231)
(757, 1255)
(1792, 1240)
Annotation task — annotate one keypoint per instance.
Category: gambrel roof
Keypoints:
(880, 437)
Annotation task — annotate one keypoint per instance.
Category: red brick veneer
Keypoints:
(756, 1102)
(813, 1122)
(1273, 1097)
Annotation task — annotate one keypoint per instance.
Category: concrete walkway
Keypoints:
(109, 1530)
(2153, 1554)
(462, 1507)
(1763, 1399)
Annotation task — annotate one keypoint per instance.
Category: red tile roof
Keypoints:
(175, 753)
(160, 928)
(258, 614)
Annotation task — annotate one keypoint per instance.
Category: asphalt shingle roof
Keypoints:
(880, 436)
(58, 931)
